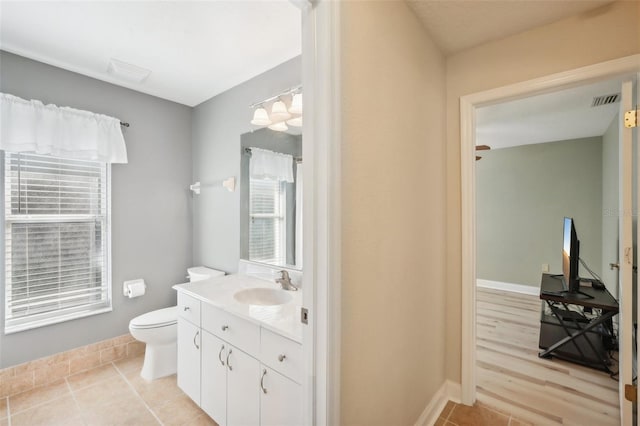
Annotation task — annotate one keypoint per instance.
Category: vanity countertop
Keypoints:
(281, 319)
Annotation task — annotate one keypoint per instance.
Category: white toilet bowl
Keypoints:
(158, 329)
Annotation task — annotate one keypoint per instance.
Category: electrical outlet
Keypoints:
(545, 267)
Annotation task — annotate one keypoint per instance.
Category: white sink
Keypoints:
(262, 296)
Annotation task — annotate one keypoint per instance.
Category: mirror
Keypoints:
(271, 201)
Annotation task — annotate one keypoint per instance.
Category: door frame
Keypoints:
(468, 104)
(321, 210)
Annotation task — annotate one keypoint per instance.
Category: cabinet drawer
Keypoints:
(189, 308)
(239, 332)
(281, 354)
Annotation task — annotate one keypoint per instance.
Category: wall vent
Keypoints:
(605, 100)
(127, 71)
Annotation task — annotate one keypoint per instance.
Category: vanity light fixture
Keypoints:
(279, 111)
(296, 104)
(260, 117)
(279, 127)
(280, 115)
(295, 122)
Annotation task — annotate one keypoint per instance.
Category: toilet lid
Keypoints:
(158, 318)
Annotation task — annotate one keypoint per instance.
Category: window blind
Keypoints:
(56, 240)
(267, 229)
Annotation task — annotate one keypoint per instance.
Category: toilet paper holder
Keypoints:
(134, 288)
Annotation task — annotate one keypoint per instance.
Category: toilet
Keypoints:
(158, 329)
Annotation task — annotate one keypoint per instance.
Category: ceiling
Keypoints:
(456, 25)
(194, 50)
(549, 117)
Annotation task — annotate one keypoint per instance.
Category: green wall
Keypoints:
(523, 194)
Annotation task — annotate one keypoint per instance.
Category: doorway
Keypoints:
(551, 156)
(469, 114)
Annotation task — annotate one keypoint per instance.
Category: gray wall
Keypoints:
(151, 205)
(522, 195)
(610, 170)
(216, 129)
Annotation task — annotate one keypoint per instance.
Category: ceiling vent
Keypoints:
(127, 71)
(605, 100)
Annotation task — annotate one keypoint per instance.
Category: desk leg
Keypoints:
(547, 353)
(571, 337)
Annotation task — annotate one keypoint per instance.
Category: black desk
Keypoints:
(577, 336)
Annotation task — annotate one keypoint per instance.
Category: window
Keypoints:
(267, 227)
(57, 240)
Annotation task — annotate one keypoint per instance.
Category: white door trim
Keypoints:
(321, 210)
(625, 238)
(468, 105)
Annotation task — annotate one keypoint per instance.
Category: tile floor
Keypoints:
(115, 394)
(112, 394)
(479, 415)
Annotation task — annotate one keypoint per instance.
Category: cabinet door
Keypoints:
(214, 377)
(243, 385)
(280, 400)
(189, 359)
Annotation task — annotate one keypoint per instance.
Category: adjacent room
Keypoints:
(542, 161)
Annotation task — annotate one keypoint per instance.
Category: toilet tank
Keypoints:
(199, 273)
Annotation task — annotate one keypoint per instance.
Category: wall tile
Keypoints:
(17, 384)
(121, 340)
(3, 408)
(27, 376)
(113, 353)
(85, 362)
(135, 348)
(51, 373)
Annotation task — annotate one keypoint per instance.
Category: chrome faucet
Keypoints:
(285, 282)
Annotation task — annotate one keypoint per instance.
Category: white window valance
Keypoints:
(31, 126)
(266, 164)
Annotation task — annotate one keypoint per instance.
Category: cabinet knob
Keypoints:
(186, 308)
(281, 357)
(264, 373)
(225, 327)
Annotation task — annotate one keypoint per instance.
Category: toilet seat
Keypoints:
(155, 319)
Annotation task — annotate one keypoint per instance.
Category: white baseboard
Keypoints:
(449, 391)
(514, 288)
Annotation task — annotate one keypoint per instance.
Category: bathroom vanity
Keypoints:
(239, 350)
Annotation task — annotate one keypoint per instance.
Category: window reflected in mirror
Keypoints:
(271, 198)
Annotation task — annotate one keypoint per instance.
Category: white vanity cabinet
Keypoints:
(246, 374)
(243, 402)
(229, 383)
(281, 375)
(214, 377)
(280, 399)
(189, 344)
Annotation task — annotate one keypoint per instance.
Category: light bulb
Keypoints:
(260, 117)
(279, 111)
(295, 122)
(279, 127)
(296, 104)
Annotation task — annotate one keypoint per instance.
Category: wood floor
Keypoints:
(512, 378)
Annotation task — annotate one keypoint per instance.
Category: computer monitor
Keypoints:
(570, 257)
